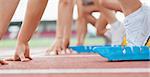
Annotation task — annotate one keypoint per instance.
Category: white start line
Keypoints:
(65, 56)
(75, 71)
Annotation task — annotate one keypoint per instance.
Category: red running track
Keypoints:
(83, 65)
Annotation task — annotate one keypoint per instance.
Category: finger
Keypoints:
(15, 58)
(59, 51)
(27, 55)
(50, 53)
(53, 53)
(2, 62)
(27, 52)
(68, 51)
(23, 58)
(10, 59)
(62, 52)
(29, 58)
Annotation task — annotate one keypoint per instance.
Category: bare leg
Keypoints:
(85, 13)
(101, 25)
(127, 6)
(91, 19)
(109, 15)
(111, 4)
(136, 22)
(117, 30)
(7, 9)
(33, 15)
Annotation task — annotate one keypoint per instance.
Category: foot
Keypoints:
(27, 52)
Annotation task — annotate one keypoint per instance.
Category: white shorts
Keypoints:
(137, 26)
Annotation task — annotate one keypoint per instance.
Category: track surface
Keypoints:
(75, 65)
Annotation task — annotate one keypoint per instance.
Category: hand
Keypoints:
(55, 48)
(22, 53)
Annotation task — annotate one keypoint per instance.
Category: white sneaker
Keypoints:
(137, 26)
(116, 33)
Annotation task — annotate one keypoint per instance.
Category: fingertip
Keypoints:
(29, 58)
(25, 60)
(3, 62)
(62, 52)
(68, 51)
(51, 53)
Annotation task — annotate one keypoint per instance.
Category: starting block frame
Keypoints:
(117, 53)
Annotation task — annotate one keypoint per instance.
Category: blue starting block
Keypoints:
(134, 53)
(117, 53)
(85, 49)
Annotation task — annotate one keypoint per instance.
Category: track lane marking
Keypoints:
(75, 71)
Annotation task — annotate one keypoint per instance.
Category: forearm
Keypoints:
(34, 12)
(7, 10)
(68, 22)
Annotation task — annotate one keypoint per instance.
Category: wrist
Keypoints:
(59, 37)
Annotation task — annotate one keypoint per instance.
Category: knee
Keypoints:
(100, 31)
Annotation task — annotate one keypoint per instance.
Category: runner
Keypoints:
(107, 17)
(136, 21)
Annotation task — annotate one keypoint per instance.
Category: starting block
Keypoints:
(82, 49)
(134, 53)
(117, 53)
(85, 49)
